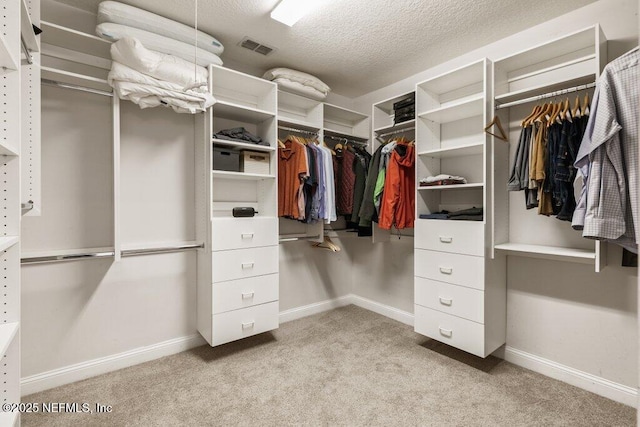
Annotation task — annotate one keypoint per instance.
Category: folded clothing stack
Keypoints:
(298, 82)
(472, 214)
(405, 109)
(117, 20)
(152, 79)
(239, 134)
(442, 179)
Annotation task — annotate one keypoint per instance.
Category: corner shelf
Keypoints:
(463, 150)
(242, 145)
(582, 256)
(241, 176)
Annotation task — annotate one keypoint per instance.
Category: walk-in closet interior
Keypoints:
(326, 212)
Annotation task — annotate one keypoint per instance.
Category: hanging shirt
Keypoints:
(347, 183)
(292, 167)
(608, 157)
(329, 187)
(398, 200)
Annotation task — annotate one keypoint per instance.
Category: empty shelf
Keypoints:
(242, 145)
(398, 127)
(68, 38)
(296, 123)
(240, 175)
(459, 110)
(240, 113)
(463, 150)
(451, 187)
(583, 256)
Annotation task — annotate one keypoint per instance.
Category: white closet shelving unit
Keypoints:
(16, 32)
(238, 268)
(570, 62)
(384, 127)
(460, 290)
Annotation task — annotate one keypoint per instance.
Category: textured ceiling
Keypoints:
(357, 46)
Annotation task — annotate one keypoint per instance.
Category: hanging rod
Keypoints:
(395, 132)
(75, 87)
(307, 132)
(68, 257)
(347, 140)
(164, 250)
(547, 95)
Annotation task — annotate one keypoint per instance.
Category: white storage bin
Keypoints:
(254, 162)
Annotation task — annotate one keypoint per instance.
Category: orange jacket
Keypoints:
(398, 199)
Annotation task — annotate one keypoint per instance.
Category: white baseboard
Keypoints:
(598, 385)
(385, 310)
(91, 368)
(315, 308)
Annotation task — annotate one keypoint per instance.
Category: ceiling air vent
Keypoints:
(255, 46)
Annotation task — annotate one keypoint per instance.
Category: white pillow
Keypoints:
(300, 89)
(297, 76)
(119, 13)
(130, 52)
(115, 32)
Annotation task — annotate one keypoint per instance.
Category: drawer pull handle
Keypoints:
(445, 270)
(247, 235)
(246, 265)
(446, 239)
(248, 325)
(446, 301)
(446, 332)
(247, 295)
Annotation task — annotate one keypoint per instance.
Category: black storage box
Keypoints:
(225, 159)
(410, 100)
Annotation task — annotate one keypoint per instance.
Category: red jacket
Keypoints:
(398, 199)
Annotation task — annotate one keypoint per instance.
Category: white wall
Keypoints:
(562, 312)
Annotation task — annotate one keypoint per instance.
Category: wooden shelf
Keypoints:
(450, 187)
(7, 61)
(7, 334)
(240, 176)
(242, 145)
(240, 113)
(463, 150)
(583, 256)
(398, 127)
(458, 110)
(7, 242)
(26, 29)
(68, 38)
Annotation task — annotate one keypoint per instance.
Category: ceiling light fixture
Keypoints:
(290, 11)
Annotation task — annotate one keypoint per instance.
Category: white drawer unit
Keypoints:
(463, 270)
(242, 293)
(243, 263)
(241, 233)
(459, 237)
(451, 299)
(455, 331)
(237, 324)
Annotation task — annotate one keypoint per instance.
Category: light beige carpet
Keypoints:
(345, 367)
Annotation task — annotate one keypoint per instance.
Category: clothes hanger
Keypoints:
(566, 111)
(496, 121)
(327, 244)
(577, 113)
(585, 104)
(557, 107)
(534, 112)
(281, 144)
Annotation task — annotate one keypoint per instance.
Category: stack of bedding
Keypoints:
(117, 20)
(298, 82)
(152, 79)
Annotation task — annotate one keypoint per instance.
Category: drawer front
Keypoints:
(463, 270)
(460, 237)
(451, 299)
(454, 331)
(245, 322)
(242, 293)
(240, 233)
(243, 263)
